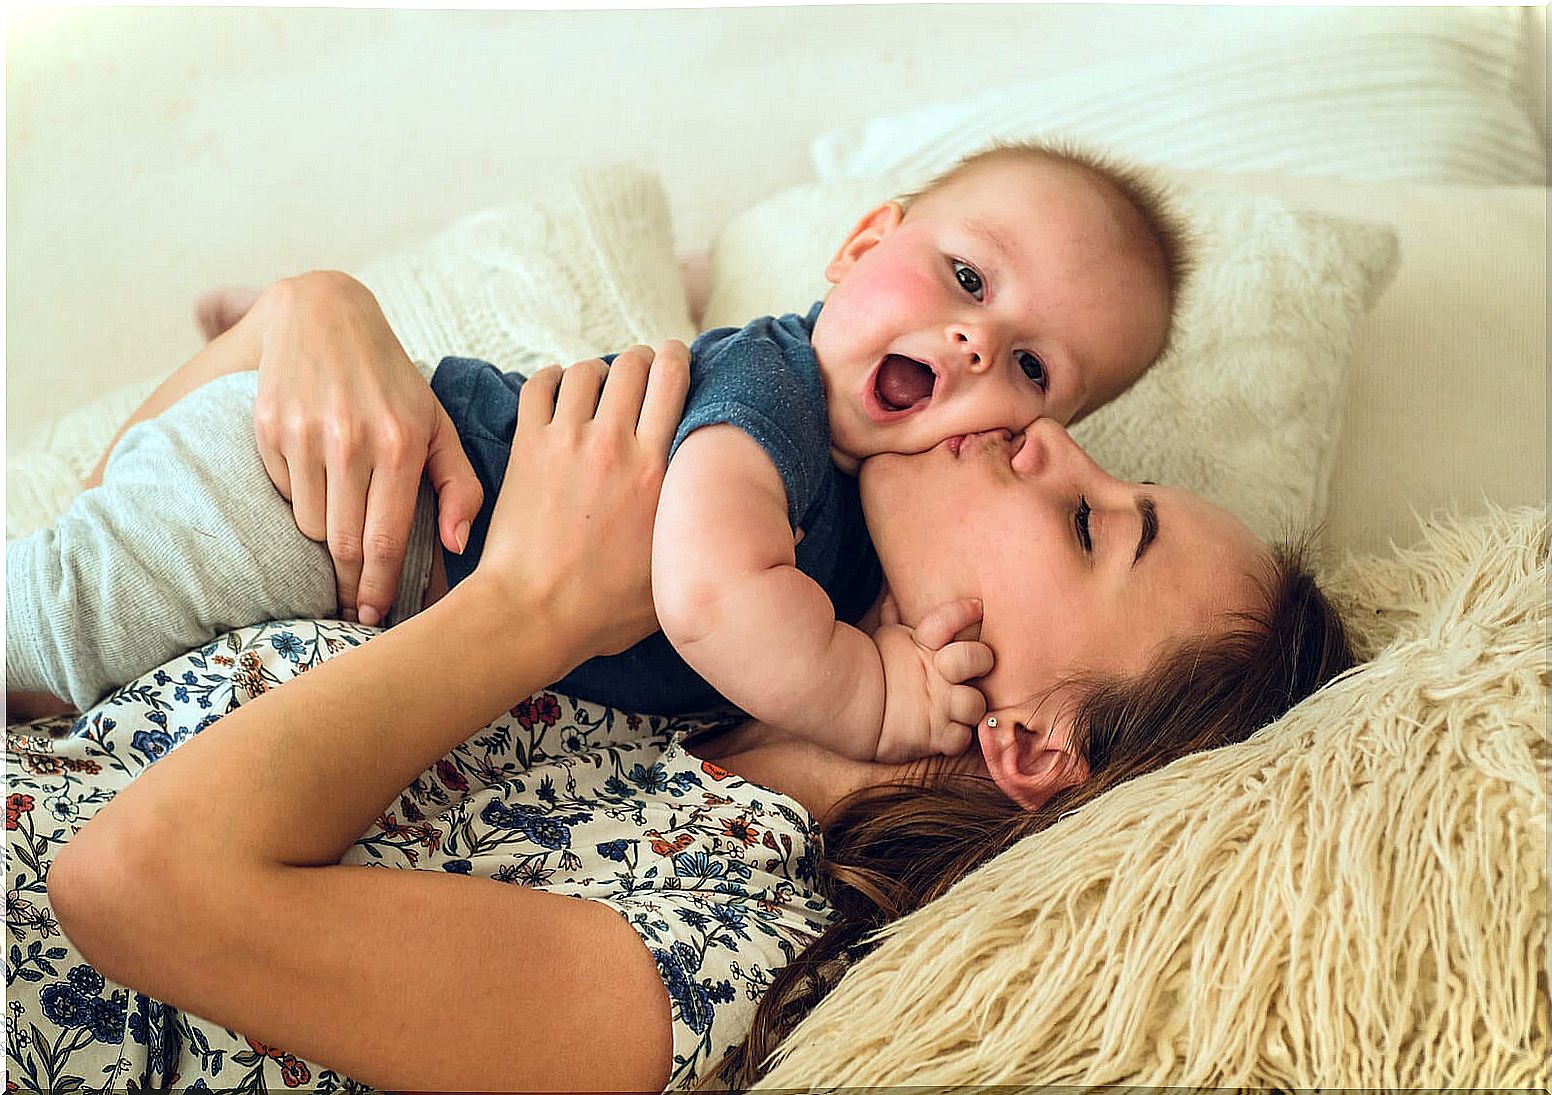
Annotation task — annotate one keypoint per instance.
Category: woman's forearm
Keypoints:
(316, 762)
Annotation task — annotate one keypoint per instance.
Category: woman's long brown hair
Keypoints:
(891, 849)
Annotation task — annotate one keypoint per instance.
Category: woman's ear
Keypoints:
(877, 224)
(1031, 756)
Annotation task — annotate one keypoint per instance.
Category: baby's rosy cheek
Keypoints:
(908, 291)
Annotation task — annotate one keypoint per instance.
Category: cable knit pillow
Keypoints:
(1438, 96)
(582, 267)
(1245, 412)
(1354, 898)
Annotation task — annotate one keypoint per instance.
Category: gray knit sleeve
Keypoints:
(185, 539)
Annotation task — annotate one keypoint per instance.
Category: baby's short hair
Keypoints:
(1139, 188)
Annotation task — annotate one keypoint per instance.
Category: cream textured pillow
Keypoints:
(583, 267)
(1441, 96)
(1355, 898)
(1247, 409)
(1447, 394)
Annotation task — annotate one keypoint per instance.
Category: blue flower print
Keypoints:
(106, 1021)
(547, 831)
(615, 787)
(614, 849)
(63, 1005)
(155, 744)
(75, 1002)
(678, 965)
(721, 992)
(288, 646)
(698, 865)
(731, 917)
(85, 980)
(629, 818)
(651, 780)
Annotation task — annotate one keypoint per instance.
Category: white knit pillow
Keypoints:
(1441, 97)
(1354, 898)
(582, 267)
(578, 268)
(1247, 409)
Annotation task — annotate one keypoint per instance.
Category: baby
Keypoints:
(1024, 282)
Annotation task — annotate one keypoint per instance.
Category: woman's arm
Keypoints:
(345, 424)
(212, 881)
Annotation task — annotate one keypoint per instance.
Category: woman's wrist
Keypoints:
(520, 628)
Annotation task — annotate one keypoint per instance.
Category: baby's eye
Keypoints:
(1033, 367)
(968, 279)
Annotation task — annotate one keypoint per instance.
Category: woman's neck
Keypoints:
(796, 767)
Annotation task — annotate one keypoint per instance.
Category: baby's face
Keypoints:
(1017, 291)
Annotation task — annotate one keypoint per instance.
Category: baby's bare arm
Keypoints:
(730, 598)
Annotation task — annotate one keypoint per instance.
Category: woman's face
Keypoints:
(1077, 570)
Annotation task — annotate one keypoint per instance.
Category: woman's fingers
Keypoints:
(459, 492)
(390, 499)
(624, 390)
(536, 401)
(345, 514)
(663, 404)
(577, 401)
(307, 495)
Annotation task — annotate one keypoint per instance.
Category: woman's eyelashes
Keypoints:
(1080, 521)
(970, 280)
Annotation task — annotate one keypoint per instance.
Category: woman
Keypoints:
(189, 887)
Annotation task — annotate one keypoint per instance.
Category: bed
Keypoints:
(1354, 898)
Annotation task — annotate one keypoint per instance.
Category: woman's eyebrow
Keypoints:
(1149, 514)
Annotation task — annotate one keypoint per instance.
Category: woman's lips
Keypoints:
(983, 439)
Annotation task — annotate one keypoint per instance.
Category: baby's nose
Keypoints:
(972, 346)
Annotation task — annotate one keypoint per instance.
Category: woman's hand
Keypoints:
(571, 535)
(345, 424)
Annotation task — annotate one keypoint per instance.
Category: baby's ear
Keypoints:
(874, 226)
(1032, 756)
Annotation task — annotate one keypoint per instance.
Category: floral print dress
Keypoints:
(715, 873)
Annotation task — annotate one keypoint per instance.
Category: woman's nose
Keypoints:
(1048, 448)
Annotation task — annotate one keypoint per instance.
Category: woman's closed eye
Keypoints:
(1080, 521)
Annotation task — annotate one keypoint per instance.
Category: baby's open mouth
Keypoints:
(902, 382)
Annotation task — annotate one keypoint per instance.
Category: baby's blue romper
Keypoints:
(762, 378)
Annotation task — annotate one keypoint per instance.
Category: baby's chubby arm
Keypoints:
(730, 598)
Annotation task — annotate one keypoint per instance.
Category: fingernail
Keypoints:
(369, 616)
(461, 534)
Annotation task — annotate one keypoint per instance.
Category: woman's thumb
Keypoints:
(458, 489)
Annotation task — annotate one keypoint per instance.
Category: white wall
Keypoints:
(153, 153)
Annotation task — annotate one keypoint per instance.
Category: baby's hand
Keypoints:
(928, 707)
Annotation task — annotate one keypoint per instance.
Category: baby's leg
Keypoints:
(186, 539)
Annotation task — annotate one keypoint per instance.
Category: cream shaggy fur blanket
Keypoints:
(1354, 898)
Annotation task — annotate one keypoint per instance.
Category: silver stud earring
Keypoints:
(991, 722)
